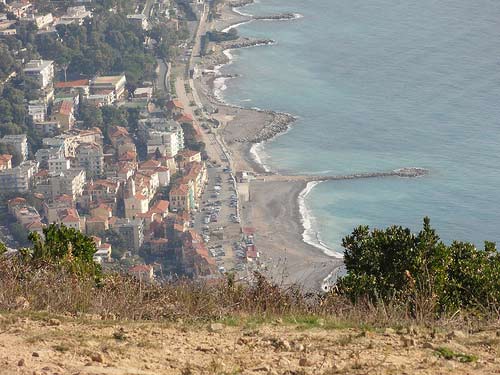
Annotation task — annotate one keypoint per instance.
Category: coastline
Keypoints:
(275, 209)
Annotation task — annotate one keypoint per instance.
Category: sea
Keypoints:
(379, 85)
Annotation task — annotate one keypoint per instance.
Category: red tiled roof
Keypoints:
(64, 107)
(185, 118)
(140, 197)
(128, 156)
(175, 103)
(18, 200)
(189, 153)
(182, 189)
(162, 169)
(150, 164)
(248, 230)
(161, 206)
(5, 158)
(117, 131)
(78, 83)
(42, 173)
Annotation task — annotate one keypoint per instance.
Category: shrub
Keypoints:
(397, 264)
(65, 247)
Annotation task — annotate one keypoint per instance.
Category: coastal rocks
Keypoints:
(277, 17)
(280, 123)
(246, 42)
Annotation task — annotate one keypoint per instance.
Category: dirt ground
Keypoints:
(49, 346)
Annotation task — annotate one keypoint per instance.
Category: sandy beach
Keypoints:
(272, 208)
(273, 211)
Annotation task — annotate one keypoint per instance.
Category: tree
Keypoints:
(91, 116)
(3, 248)
(65, 246)
(395, 264)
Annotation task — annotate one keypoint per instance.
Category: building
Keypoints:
(104, 97)
(47, 128)
(18, 179)
(143, 272)
(76, 15)
(70, 182)
(18, 143)
(114, 83)
(42, 71)
(166, 143)
(79, 86)
(5, 161)
(136, 202)
(188, 156)
(63, 112)
(141, 20)
(103, 253)
(44, 154)
(143, 93)
(89, 156)
(181, 197)
(58, 165)
(19, 8)
(175, 107)
(70, 218)
(37, 111)
(131, 230)
(42, 21)
(197, 173)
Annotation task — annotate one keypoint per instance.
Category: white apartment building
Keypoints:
(19, 143)
(58, 165)
(37, 111)
(70, 182)
(166, 142)
(44, 154)
(41, 70)
(89, 156)
(18, 179)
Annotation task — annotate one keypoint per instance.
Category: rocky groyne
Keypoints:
(246, 43)
(277, 17)
(280, 123)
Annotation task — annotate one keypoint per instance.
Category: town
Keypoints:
(94, 137)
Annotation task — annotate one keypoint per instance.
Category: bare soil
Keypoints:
(43, 345)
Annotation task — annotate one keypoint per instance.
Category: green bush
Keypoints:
(396, 264)
(66, 247)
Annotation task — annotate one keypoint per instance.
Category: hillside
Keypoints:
(41, 344)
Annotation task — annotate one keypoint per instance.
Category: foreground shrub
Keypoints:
(395, 264)
(65, 247)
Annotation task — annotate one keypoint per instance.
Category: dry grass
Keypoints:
(41, 287)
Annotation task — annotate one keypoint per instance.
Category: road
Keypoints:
(163, 79)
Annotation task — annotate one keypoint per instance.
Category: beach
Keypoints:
(270, 207)
(273, 210)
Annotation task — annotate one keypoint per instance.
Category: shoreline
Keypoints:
(289, 249)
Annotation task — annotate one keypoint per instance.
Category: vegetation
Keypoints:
(397, 265)
(191, 140)
(63, 246)
(393, 276)
(221, 36)
(107, 44)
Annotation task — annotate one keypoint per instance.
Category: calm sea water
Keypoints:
(378, 85)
